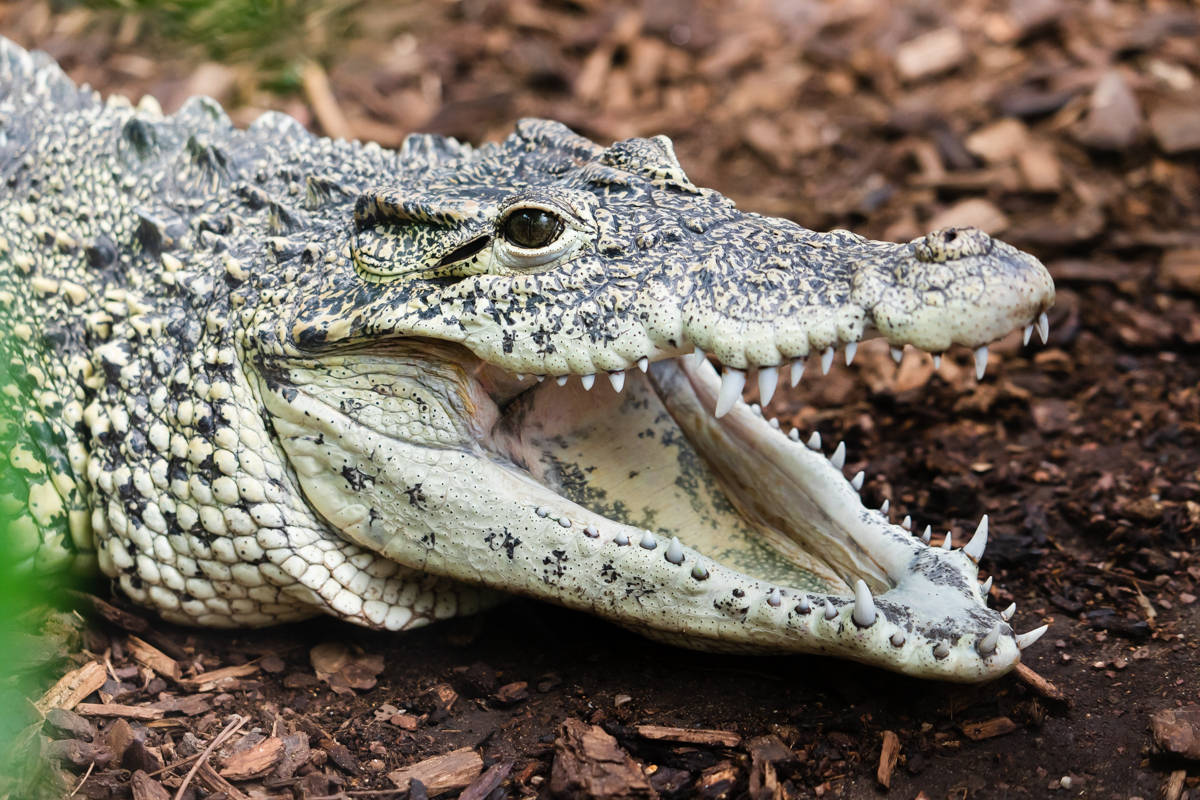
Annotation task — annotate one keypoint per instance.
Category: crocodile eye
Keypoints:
(532, 228)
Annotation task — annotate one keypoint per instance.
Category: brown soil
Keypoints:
(1071, 130)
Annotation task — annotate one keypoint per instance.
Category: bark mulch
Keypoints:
(1069, 129)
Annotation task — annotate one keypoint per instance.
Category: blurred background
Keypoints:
(1070, 129)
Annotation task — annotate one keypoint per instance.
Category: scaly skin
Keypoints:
(264, 375)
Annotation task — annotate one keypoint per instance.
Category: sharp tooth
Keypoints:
(768, 379)
(617, 379)
(937, 361)
(1027, 334)
(698, 357)
(643, 363)
(1024, 640)
(974, 548)
(621, 539)
(521, 377)
(826, 360)
(588, 381)
(941, 650)
(794, 434)
(774, 599)
(561, 380)
(897, 639)
(981, 359)
(732, 383)
(814, 441)
(1043, 327)
(986, 587)
(648, 541)
(797, 371)
(773, 422)
(897, 354)
(948, 542)
(674, 552)
(987, 645)
(851, 351)
(927, 534)
(1007, 613)
(838, 459)
(757, 409)
(864, 606)
(700, 572)
(803, 606)
(906, 523)
(885, 507)
(541, 378)
(830, 611)
(591, 532)
(857, 480)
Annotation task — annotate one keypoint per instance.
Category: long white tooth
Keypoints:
(768, 379)
(830, 611)
(1027, 334)
(700, 572)
(987, 645)
(797, 371)
(897, 354)
(974, 548)
(698, 357)
(643, 363)
(794, 434)
(617, 379)
(927, 534)
(826, 360)
(774, 422)
(588, 381)
(1007, 613)
(851, 351)
(1024, 640)
(986, 587)
(885, 507)
(803, 606)
(757, 409)
(732, 383)
(674, 552)
(648, 541)
(621, 539)
(561, 380)
(937, 361)
(981, 359)
(906, 523)
(864, 606)
(774, 599)
(947, 543)
(838, 459)
(814, 441)
(1043, 327)
(857, 480)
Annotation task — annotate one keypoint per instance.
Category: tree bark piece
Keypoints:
(150, 656)
(588, 763)
(887, 759)
(73, 687)
(701, 736)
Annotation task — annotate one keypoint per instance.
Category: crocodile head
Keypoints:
(524, 369)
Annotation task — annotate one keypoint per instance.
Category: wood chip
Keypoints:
(930, 53)
(118, 710)
(1180, 269)
(1176, 129)
(218, 678)
(487, 783)
(972, 212)
(1114, 120)
(150, 656)
(988, 728)
(73, 687)
(454, 770)
(887, 759)
(1173, 785)
(999, 142)
(1039, 684)
(146, 788)
(700, 736)
(1177, 731)
(253, 762)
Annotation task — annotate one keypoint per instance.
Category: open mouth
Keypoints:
(654, 496)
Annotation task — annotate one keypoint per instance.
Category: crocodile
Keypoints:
(261, 375)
